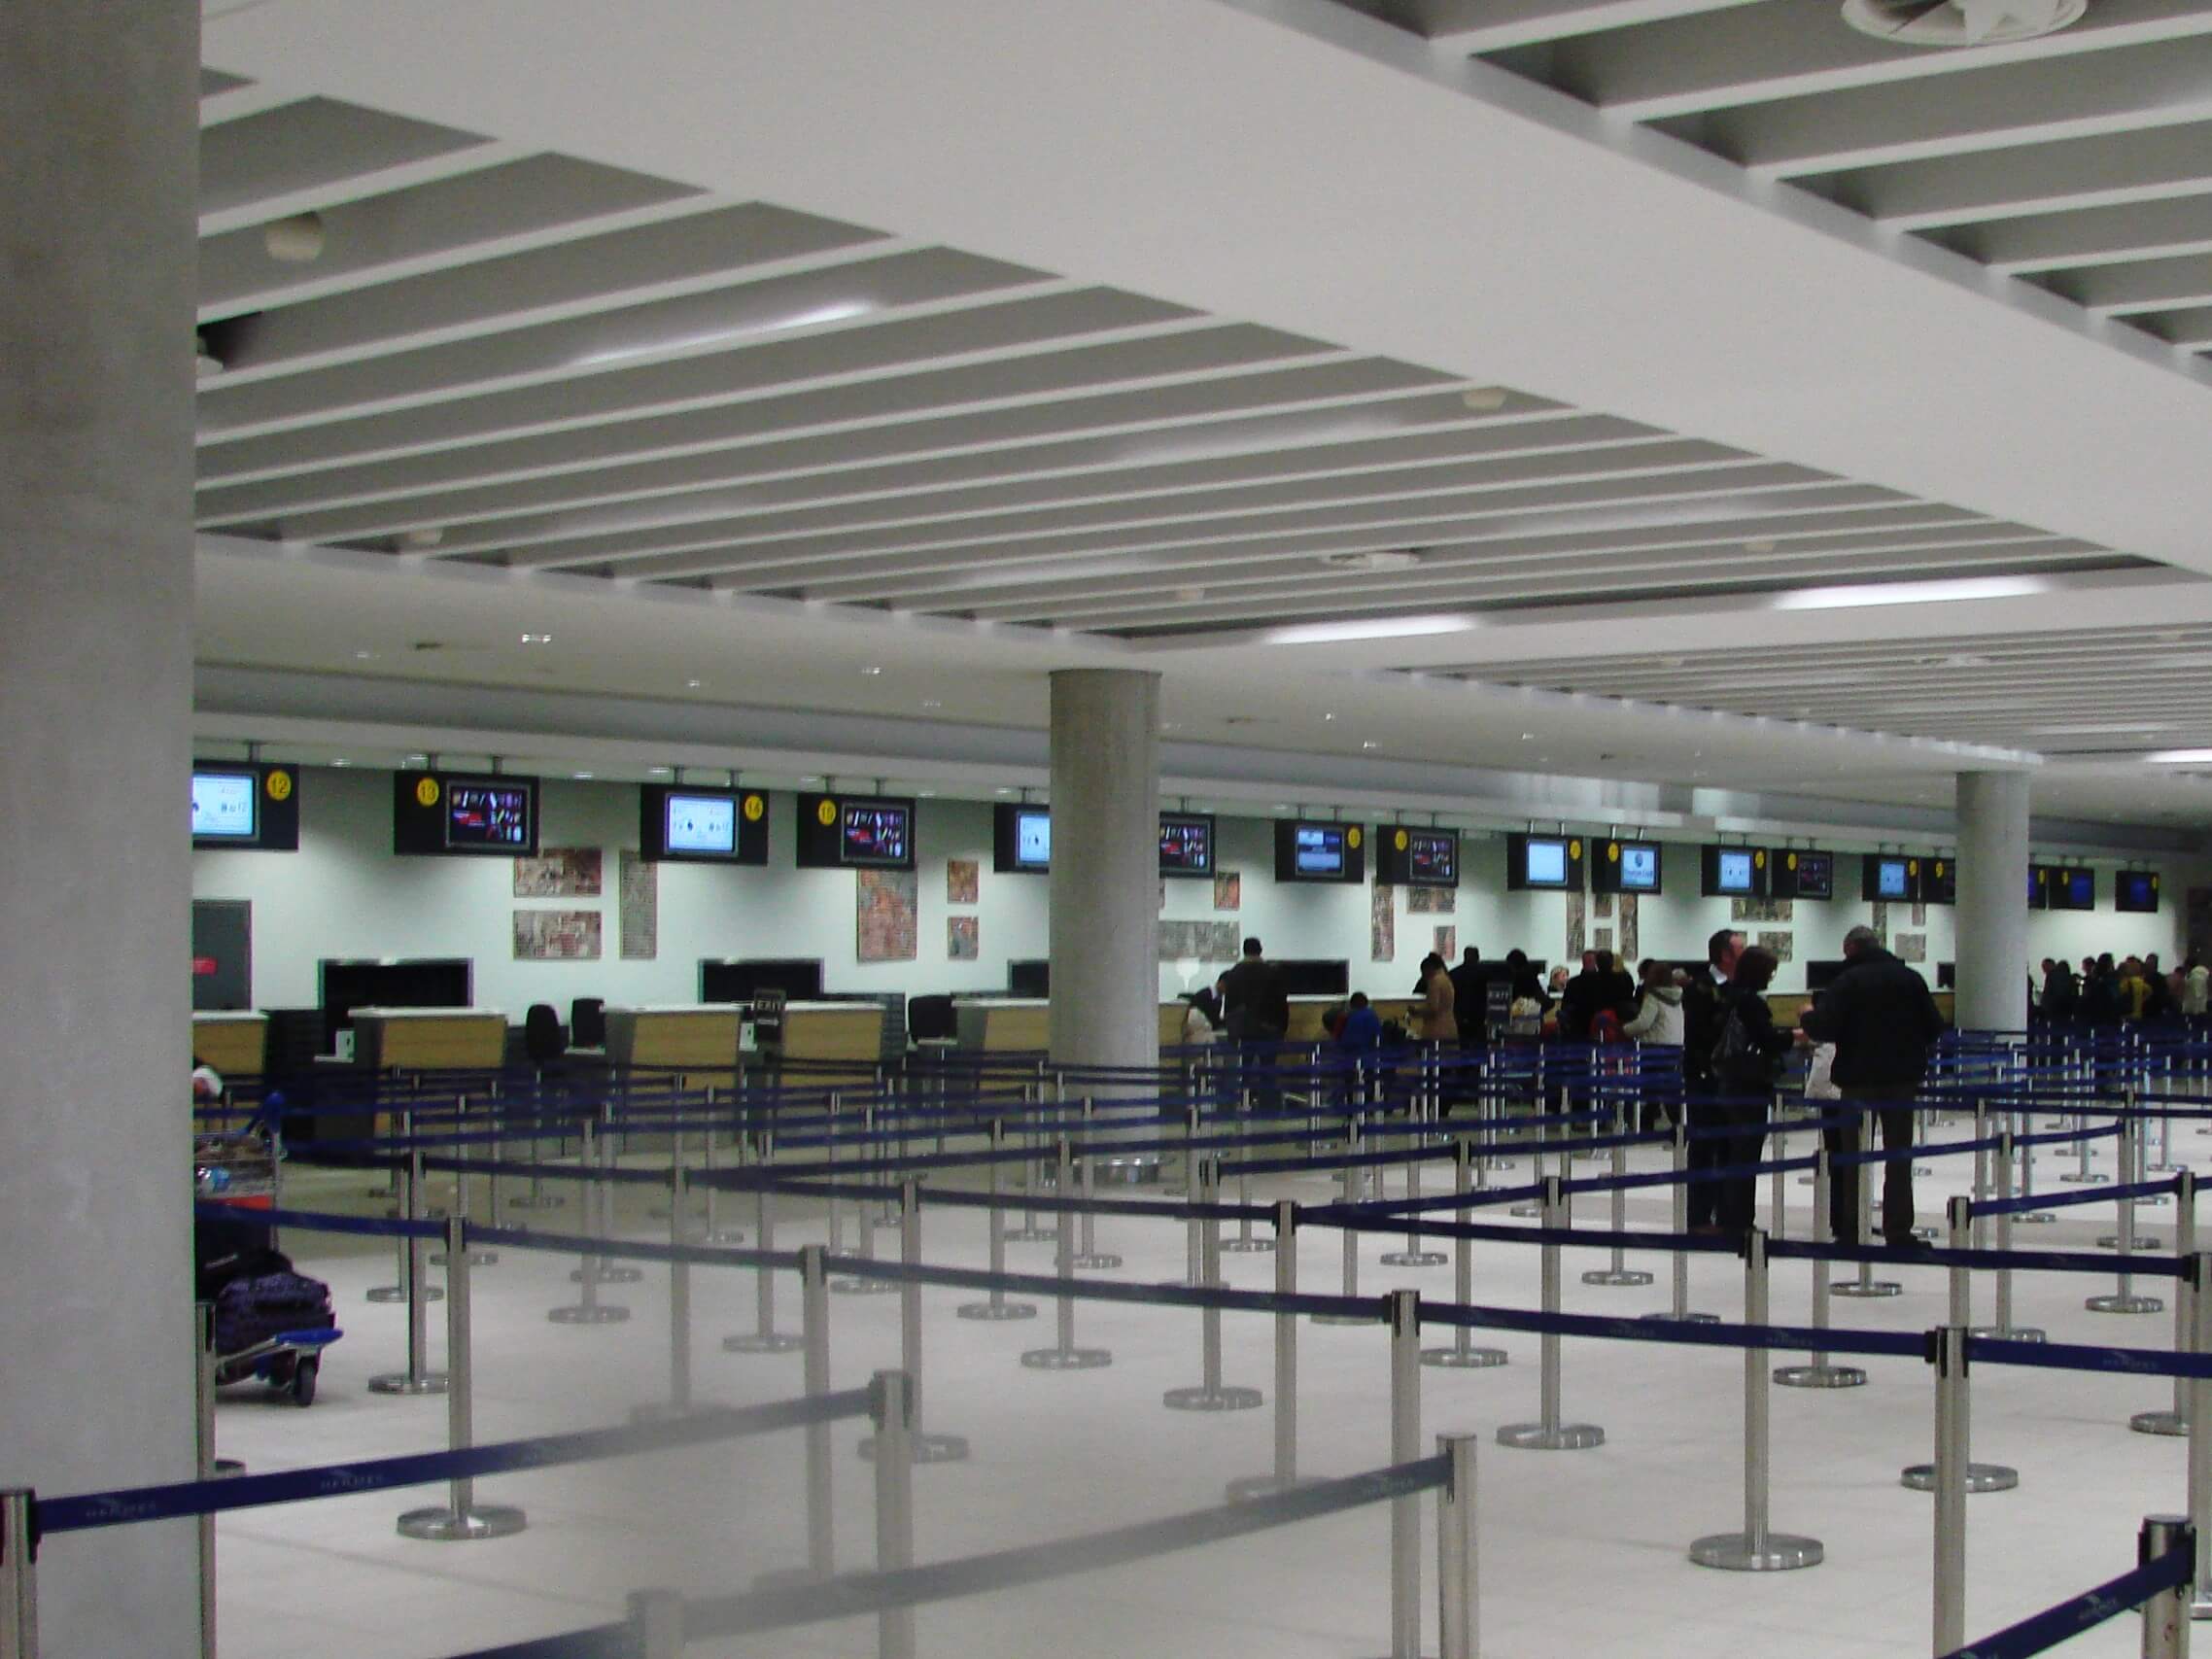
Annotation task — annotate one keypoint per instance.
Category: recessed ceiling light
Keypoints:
(295, 240)
(424, 535)
(1759, 544)
(932, 703)
(365, 656)
(926, 794)
(1910, 593)
(1369, 744)
(1374, 628)
(1189, 595)
(206, 365)
(658, 771)
(1005, 791)
(341, 763)
(1528, 737)
(418, 760)
(810, 780)
(1373, 561)
(871, 668)
(580, 774)
(1485, 399)
(1282, 805)
(538, 638)
(1329, 716)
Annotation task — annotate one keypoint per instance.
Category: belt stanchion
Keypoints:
(822, 1532)
(1285, 1474)
(833, 1214)
(2123, 1297)
(1351, 1190)
(2199, 1270)
(1415, 1254)
(408, 1189)
(1948, 1351)
(588, 1309)
(1064, 1355)
(1401, 1313)
(462, 1518)
(1820, 1371)
(1463, 1354)
(2132, 1171)
(1618, 1271)
(1088, 1257)
(894, 1408)
(711, 1230)
(1548, 1434)
(1866, 1284)
(1777, 1188)
(1978, 1476)
(859, 1284)
(2083, 1175)
(203, 1437)
(2003, 1329)
(923, 1445)
(2176, 1421)
(1681, 1308)
(414, 1263)
(1211, 1394)
(678, 1402)
(1458, 1593)
(1031, 1231)
(2027, 1171)
(610, 1271)
(477, 1258)
(536, 1198)
(2167, 1615)
(18, 1575)
(763, 1337)
(996, 1308)
(1246, 1242)
(1757, 1548)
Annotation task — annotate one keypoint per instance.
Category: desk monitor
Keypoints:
(1031, 977)
(1625, 866)
(1889, 878)
(1820, 975)
(798, 978)
(434, 982)
(1314, 976)
(689, 823)
(1306, 851)
(1800, 873)
(1187, 843)
(2135, 890)
(1733, 871)
(852, 832)
(1543, 862)
(1410, 857)
(463, 815)
(245, 803)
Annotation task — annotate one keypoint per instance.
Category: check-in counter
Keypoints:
(429, 1039)
(1010, 1025)
(1307, 1013)
(1789, 1006)
(697, 1040)
(235, 1044)
(826, 1033)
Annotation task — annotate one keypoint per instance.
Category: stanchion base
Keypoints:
(862, 1287)
(1095, 1262)
(1031, 1235)
(1867, 1288)
(443, 1526)
(1525, 1210)
(2035, 1217)
(927, 1448)
(597, 1313)
(1820, 1376)
(1246, 1246)
(1247, 1487)
(402, 1382)
(997, 1312)
(2010, 1332)
(1415, 1258)
(1979, 1478)
(723, 1235)
(1464, 1359)
(1536, 1437)
(544, 1202)
(609, 1275)
(399, 1294)
(1616, 1276)
(2074, 1178)
(2117, 1304)
(1740, 1552)
(1682, 1318)
(477, 1259)
(2168, 1423)
(1228, 1398)
(762, 1342)
(1067, 1359)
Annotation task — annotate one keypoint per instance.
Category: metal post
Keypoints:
(764, 1338)
(1820, 1372)
(1980, 1476)
(1351, 1189)
(1866, 1284)
(18, 1575)
(2003, 1328)
(926, 1447)
(1548, 1434)
(813, 1303)
(1030, 1231)
(2198, 1268)
(1402, 1311)
(1458, 1597)
(1947, 1349)
(203, 1430)
(610, 1271)
(713, 1231)
(997, 1307)
(2166, 1614)
(418, 1378)
(1245, 1243)
(1756, 1548)
(894, 1413)
(678, 1402)
(1064, 1355)
(1285, 1474)
(1211, 1394)
(1088, 1257)
(1463, 1354)
(1415, 1254)
(407, 1187)
(2123, 1300)
(462, 1518)
(1619, 1273)
(1680, 1223)
(588, 1309)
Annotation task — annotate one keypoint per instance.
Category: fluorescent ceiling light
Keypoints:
(2104, 729)
(1910, 593)
(820, 314)
(1373, 628)
(2180, 757)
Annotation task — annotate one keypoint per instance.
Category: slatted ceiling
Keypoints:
(308, 145)
(2080, 692)
(2081, 161)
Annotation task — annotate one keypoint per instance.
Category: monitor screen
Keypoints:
(1547, 865)
(700, 823)
(2135, 890)
(487, 814)
(1890, 880)
(874, 833)
(2035, 888)
(1735, 870)
(1638, 868)
(1433, 857)
(1320, 850)
(1186, 843)
(1033, 839)
(2081, 888)
(1808, 875)
(223, 805)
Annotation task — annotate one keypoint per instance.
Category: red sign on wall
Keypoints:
(203, 967)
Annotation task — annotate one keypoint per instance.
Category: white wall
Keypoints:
(345, 894)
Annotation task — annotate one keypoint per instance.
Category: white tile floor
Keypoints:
(1581, 1553)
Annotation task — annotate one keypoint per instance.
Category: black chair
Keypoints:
(930, 1018)
(587, 1022)
(543, 1038)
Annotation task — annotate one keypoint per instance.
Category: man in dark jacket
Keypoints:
(1258, 1011)
(1702, 1001)
(1880, 1016)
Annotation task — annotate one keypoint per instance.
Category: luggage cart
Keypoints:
(238, 1171)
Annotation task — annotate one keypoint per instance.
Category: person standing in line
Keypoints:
(1434, 1018)
(1257, 1009)
(1700, 1026)
(1746, 1058)
(2195, 989)
(1884, 1022)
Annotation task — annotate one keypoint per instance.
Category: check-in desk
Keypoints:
(429, 1039)
(698, 1041)
(1307, 1013)
(1789, 1006)
(235, 1044)
(832, 1037)
(1008, 1026)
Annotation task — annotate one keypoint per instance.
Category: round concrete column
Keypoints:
(98, 146)
(1992, 901)
(1105, 867)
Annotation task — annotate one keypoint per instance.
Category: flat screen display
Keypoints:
(1638, 868)
(224, 806)
(487, 814)
(1033, 839)
(1545, 863)
(1733, 870)
(2135, 890)
(1186, 843)
(2035, 880)
(700, 824)
(877, 833)
(1815, 876)
(1889, 878)
(1433, 858)
(2081, 889)
(1320, 850)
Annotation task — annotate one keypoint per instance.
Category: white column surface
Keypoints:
(1992, 901)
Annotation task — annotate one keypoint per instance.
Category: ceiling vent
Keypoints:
(1961, 22)
(1382, 559)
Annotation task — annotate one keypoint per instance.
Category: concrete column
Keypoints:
(98, 165)
(1105, 867)
(1992, 901)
